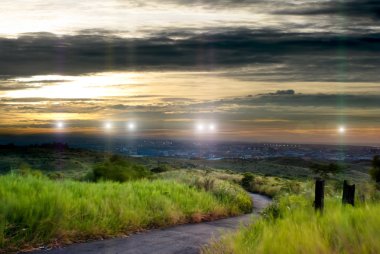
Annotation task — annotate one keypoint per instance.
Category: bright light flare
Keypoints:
(206, 128)
(60, 125)
(342, 129)
(131, 126)
(200, 127)
(108, 126)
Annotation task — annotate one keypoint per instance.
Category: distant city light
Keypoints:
(342, 130)
(200, 127)
(108, 126)
(131, 126)
(206, 128)
(60, 125)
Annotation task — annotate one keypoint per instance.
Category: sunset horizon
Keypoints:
(267, 71)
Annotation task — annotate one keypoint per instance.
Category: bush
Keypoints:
(26, 170)
(119, 169)
(247, 180)
(161, 169)
(56, 175)
(324, 170)
(269, 186)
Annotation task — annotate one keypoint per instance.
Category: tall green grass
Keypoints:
(271, 186)
(221, 185)
(292, 226)
(37, 211)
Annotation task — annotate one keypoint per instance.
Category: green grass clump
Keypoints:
(118, 169)
(226, 191)
(270, 186)
(292, 226)
(36, 211)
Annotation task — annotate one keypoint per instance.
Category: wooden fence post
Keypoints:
(348, 193)
(319, 194)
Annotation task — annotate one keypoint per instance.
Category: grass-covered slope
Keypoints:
(36, 211)
(292, 226)
(221, 185)
(270, 186)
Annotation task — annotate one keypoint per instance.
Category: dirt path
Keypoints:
(184, 239)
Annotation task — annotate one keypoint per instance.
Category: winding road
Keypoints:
(184, 239)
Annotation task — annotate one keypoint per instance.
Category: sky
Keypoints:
(252, 70)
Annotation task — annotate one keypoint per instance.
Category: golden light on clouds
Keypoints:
(256, 69)
(176, 101)
(71, 87)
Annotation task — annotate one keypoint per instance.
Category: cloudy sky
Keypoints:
(255, 70)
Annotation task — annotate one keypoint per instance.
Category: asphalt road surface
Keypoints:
(184, 239)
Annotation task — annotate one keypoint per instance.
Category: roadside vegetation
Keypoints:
(78, 195)
(270, 186)
(222, 185)
(117, 169)
(38, 211)
(291, 225)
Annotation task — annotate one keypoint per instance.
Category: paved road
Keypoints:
(184, 239)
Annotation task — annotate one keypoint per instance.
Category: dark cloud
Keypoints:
(250, 105)
(284, 92)
(282, 56)
(282, 108)
(77, 107)
(177, 100)
(349, 8)
(9, 87)
(277, 104)
(119, 107)
(292, 99)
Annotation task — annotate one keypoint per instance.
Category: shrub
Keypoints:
(56, 175)
(161, 169)
(247, 180)
(325, 170)
(119, 169)
(26, 170)
(269, 186)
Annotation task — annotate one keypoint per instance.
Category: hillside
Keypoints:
(73, 162)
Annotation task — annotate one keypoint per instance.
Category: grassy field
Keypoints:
(292, 222)
(68, 162)
(77, 205)
(271, 186)
(222, 185)
(339, 230)
(37, 211)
